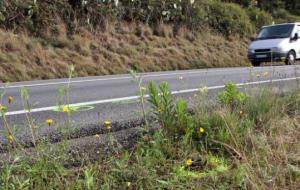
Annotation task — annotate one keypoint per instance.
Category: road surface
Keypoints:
(115, 97)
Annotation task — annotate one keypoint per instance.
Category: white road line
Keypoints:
(97, 102)
(111, 78)
(144, 76)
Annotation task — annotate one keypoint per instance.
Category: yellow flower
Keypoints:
(265, 74)
(3, 108)
(128, 184)
(107, 124)
(258, 75)
(201, 130)
(10, 99)
(97, 136)
(10, 138)
(204, 89)
(66, 109)
(189, 162)
(143, 88)
(241, 112)
(49, 122)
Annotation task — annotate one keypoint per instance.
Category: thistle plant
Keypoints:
(172, 115)
(89, 178)
(64, 99)
(138, 79)
(7, 126)
(27, 106)
(231, 95)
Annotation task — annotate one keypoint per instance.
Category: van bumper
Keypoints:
(267, 57)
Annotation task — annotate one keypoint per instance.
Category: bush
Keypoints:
(173, 116)
(229, 18)
(283, 16)
(259, 18)
(40, 17)
(231, 95)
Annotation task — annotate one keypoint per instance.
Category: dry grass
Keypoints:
(122, 47)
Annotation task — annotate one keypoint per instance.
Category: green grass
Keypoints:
(251, 143)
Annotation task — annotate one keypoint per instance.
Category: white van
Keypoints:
(276, 43)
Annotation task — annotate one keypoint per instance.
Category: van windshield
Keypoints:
(274, 32)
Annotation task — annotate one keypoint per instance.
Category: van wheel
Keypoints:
(255, 63)
(291, 58)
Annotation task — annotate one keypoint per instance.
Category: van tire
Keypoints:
(255, 63)
(291, 58)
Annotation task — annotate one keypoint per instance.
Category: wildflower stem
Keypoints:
(30, 121)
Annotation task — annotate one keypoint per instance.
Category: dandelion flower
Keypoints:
(3, 108)
(201, 130)
(143, 88)
(241, 112)
(128, 184)
(107, 125)
(189, 162)
(66, 109)
(10, 99)
(49, 122)
(258, 75)
(10, 138)
(204, 90)
(97, 136)
(265, 74)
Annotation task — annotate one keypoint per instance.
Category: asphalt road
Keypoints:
(114, 97)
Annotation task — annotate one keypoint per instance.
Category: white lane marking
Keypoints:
(144, 76)
(136, 97)
(107, 79)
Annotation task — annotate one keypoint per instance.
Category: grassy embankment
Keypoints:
(39, 39)
(116, 51)
(242, 142)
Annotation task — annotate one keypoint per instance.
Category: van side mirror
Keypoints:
(296, 37)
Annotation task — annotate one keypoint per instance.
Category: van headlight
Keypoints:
(276, 49)
(250, 50)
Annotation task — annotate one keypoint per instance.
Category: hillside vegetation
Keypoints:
(39, 39)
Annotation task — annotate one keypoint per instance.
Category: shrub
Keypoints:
(40, 17)
(231, 95)
(229, 18)
(173, 116)
(259, 18)
(282, 15)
